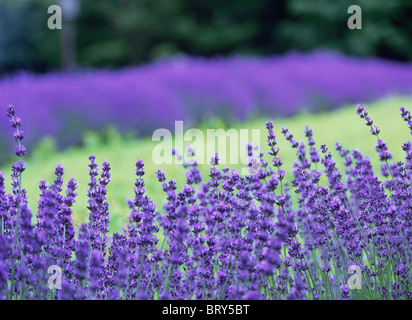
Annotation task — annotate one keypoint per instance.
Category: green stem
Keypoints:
(140, 270)
(227, 279)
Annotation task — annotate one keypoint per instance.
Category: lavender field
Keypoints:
(197, 158)
(143, 99)
(324, 234)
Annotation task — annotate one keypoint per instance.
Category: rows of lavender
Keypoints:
(192, 89)
(230, 237)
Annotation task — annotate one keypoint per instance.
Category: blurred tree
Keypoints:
(114, 33)
(386, 32)
(70, 12)
(121, 32)
(25, 40)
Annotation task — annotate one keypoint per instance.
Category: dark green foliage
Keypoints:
(115, 33)
(386, 27)
(25, 40)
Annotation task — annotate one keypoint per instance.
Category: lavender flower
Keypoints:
(228, 237)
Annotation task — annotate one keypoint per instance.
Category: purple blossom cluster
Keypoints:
(227, 237)
(142, 99)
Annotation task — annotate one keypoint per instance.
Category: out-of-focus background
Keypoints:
(120, 69)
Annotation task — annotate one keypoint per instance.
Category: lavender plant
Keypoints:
(227, 237)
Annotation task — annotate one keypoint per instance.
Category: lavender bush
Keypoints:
(230, 237)
(192, 89)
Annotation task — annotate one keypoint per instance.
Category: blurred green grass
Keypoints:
(343, 125)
